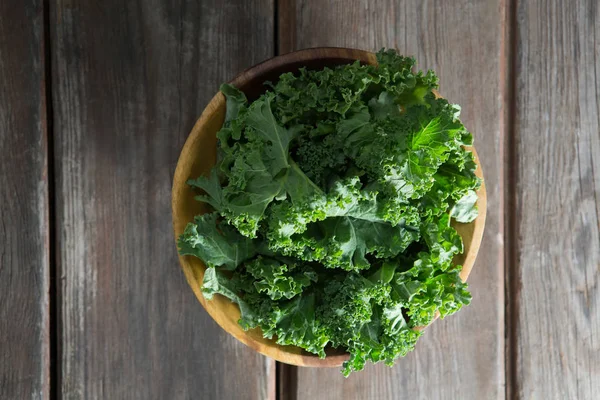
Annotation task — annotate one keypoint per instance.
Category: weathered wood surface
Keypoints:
(557, 135)
(461, 357)
(24, 212)
(129, 81)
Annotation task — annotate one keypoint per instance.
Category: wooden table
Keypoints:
(96, 100)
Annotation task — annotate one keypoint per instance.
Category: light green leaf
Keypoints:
(465, 209)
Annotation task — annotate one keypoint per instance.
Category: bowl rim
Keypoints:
(286, 354)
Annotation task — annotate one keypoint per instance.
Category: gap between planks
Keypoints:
(54, 278)
(511, 268)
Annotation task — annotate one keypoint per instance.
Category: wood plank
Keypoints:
(461, 357)
(129, 81)
(24, 217)
(558, 200)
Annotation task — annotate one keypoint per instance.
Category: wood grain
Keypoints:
(461, 357)
(558, 200)
(129, 81)
(24, 217)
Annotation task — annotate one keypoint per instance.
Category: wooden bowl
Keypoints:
(198, 157)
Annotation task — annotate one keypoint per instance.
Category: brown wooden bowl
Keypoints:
(198, 157)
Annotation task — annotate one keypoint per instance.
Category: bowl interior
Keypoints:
(198, 157)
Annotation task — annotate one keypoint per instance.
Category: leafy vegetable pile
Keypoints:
(332, 202)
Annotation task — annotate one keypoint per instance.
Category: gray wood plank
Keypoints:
(558, 200)
(24, 217)
(129, 81)
(461, 357)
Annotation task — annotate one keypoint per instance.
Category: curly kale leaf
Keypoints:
(364, 319)
(216, 282)
(280, 280)
(332, 197)
(257, 169)
(216, 244)
(344, 242)
(339, 229)
(465, 209)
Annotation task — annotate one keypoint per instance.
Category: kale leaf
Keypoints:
(333, 197)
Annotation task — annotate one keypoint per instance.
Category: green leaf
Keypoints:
(212, 187)
(344, 242)
(442, 239)
(279, 280)
(395, 318)
(465, 209)
(235, 100)
(384, 274)
(384, 106)
(458, 173)
(355, 123)
(235, 117)
(218, 245)
(333, 195)
(215, 282)
(276, 138)
(404, 290)
(429, 147)
(297, 325)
